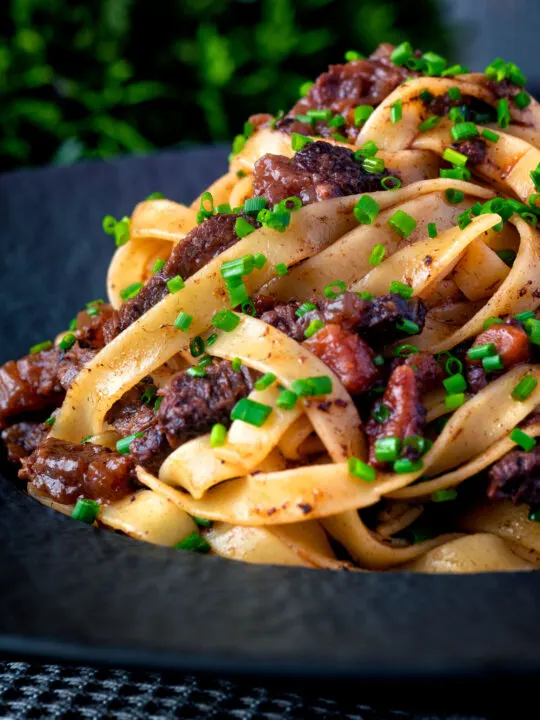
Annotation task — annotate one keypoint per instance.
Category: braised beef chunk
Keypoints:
(347, 355)
(151, 449)
(317, 172)
(65, 471)
(192, 405)
(407, 415)
(23, 438)
(474, 149)
(30, 384)
(72, 362)
(130, 414)
(511, 343)
(429, 374)
(89, 330)
(202, 244)
(361, 82)
(283, 317)
(516, 477)
(379, 321)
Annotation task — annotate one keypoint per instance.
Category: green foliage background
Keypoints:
(95, 78)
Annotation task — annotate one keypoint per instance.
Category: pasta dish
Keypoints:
(331, 358)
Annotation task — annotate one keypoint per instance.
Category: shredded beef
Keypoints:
(23, 438)
(407, 415)
(429, 374)
(283, 317)
(89, 329)
(317, 172)
(474, 149)
(30, 384)
(202, 244)
(72, 362)
(151, 449)
(192, 405)
(66, 471)
(347, 355)
(516, 476)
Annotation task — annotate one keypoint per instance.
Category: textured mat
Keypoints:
(52, 691)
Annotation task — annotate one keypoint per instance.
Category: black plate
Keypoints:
(68, 591)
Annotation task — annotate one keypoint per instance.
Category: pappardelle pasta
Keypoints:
(331, 358)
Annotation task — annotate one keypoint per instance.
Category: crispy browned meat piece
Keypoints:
(317, 172)
(347, 355)
(66, 471)
(516, 477)
(23, 438)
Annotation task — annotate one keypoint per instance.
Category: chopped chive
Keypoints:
(455, 173)
(444, 495)
(377, 254)
(455, 157)
(131, 291)
(290, 204)
(455, 115)
(243, 228)
(281, 269)
(305, 88)
(183, 321)
(67, 342)
(455, 383)
(419, 443)
(236, 364)
(430, 123)
(352, 55)
(463, 131)
(492, 363)
(491, 321)
(454, 93)
(148, 395)
(361, 114)
(503, 113)
(490, 135)
(366, 210)
(387, 449)
(118, 228)
(396, 112)
(426, 97)
(194, 542)
(479, 352)
(259, 260)
(391, 182)
(407, 326)
(368, 149)
(175, 284)
(455, 70)
(402, 223)
(299, 141)
(196, 346)
(158, 265)
(335, 289)
(265, 381)
(337, 121)
(314, 386)
(435, 63)
(464, 219)
(286, 400)
(238, 294)
(50, 421)
(196, 371)
(251, 412)
(522, 100)
(40, 347)
(313, 327)
(365, 295)
(454, 366)
(202, 522)
(86, 439)
(248, 308)
(535, 177)
(218, 435)
(453, 401)
(402, 466)
(432, 230)
(507, 256)
(225, 320)
(361, 470)
(155, 196)
(402, 289)
(381, 413)
(454, 196)
(405, 349)
(402, 53)
(532, 328)
(72, 324)
(316, 114)
(205, 361)
(211, 339)
(238, 267)
(123, 445)
(305, 308)
(526, 442)
(86, 511)
(158, 402)
(254, 205)
(224, 209)
(378, 360)
(524, 388)
(373, 165)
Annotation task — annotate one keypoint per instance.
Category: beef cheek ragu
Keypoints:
(319, 171)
